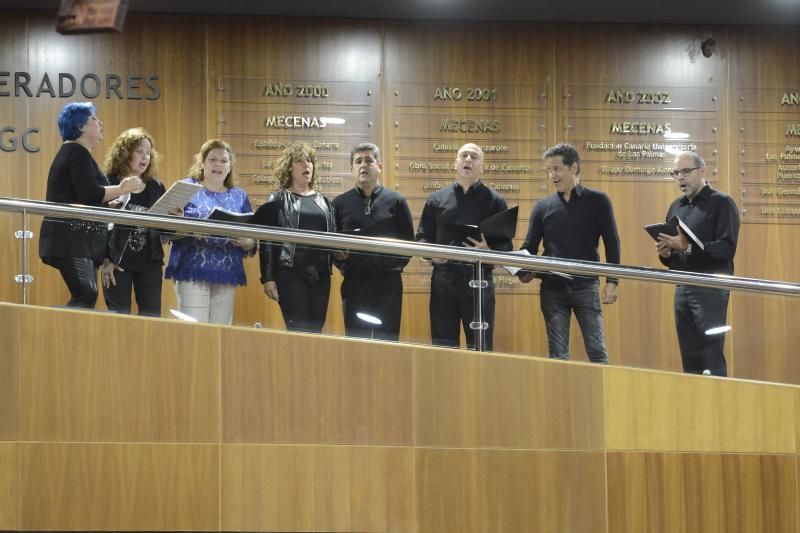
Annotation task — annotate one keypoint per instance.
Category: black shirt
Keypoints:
(714, 218)
(137, 249)
(455, 206)
(314, 219)
(74, 178)
(353, 210)
(572, 230)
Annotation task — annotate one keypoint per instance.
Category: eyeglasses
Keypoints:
(683, 172)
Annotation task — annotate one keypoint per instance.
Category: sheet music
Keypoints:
(176, 197)
(525, 253)
(513, 270)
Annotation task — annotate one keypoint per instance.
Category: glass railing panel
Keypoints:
(12, 257)
(639, 328)
(765, 337)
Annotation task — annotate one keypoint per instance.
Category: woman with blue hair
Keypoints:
(77, 247)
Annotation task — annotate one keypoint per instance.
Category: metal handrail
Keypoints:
(337, 241)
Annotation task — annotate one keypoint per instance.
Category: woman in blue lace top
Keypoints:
(206, 270)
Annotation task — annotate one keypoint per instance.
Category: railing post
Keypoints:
(479, 325)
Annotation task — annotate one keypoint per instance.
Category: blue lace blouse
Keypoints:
(209, 259)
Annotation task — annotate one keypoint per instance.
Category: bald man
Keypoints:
(467, 201)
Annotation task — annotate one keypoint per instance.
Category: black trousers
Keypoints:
(146, 286)
(381, 298)
(304, 304)
(453, 304)
(80, 275)
(698, 310)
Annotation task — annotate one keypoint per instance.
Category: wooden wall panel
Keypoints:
(9, 486)
(317, 488)
(708, 493)
(118, 379)
(112, 487)
(503, 490)
(14, 180)
(445, 440)
(301, 388)
(763, 58)
(647, 410)
(465, 400)
(9, 373)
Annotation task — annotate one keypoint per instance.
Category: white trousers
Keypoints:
(207, 302)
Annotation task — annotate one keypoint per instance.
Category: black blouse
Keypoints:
(74, 178)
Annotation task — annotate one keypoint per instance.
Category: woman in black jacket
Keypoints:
(77, 247)
(298, 278)
(134, 257)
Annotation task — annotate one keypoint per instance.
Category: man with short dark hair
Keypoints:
(372, 290)
(468, 201)
(700, 312)
(571, 222)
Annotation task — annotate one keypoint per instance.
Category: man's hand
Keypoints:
(609, 293)
(341, 255)
(245, 243)
(482, 244)
(526, 276)
(677, 242)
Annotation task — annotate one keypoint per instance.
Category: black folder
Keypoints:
(502, 226)
(670, 227)
(498, 227)
(456, 234)
(224, 215)
(386, 227)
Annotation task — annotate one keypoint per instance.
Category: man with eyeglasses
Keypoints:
(468, 201)
(714, 219)
(571, 222)
(372, 290)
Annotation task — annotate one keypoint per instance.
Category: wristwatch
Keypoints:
(688, 250)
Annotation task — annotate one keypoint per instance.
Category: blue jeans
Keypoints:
(558, 302)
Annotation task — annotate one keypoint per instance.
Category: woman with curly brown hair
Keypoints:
(299, 278)
(134, 257)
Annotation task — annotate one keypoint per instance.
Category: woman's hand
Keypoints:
(245, 243)
(132, 184)
(107, 273)
(271, 290)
